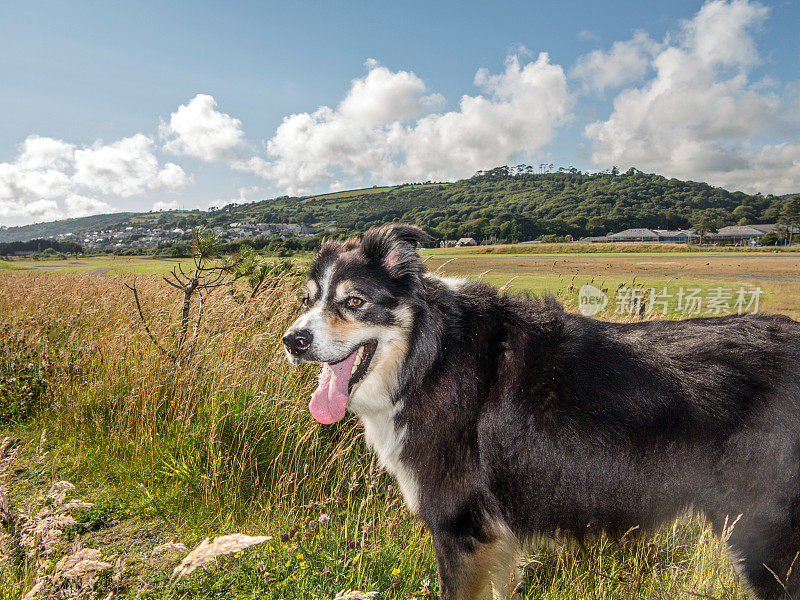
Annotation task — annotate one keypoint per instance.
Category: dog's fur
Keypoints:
(506, 419)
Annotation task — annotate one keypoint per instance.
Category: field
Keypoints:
(221, 441)
(777, 274)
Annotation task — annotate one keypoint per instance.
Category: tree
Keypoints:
(790, 216)
(706, 221)
(199, 282)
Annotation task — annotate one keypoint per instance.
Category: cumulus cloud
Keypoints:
(125, 168)
(625, 62)
(387, 128)
(159, 205)
(198, 129)
(699, 115)
(49, 178)
(76, 205)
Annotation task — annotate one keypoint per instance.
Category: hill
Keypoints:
(505, 203)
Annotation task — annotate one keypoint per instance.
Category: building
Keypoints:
(466, 242)
(634, 235)
(733, 234)
(674, 236)
(738, 234)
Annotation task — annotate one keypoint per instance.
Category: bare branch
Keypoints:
(144, 321)
(175, 285)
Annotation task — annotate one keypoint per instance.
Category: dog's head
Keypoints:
(356, 314)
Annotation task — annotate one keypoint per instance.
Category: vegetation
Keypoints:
(163, 454)
(513, 204)
(39, 247)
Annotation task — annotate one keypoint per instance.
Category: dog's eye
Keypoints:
(355, 301)
(305, 302)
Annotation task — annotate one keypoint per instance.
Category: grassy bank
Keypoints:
(222, 442)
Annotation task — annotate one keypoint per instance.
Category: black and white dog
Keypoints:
(505, 419)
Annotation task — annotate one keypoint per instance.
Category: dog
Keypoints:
(505, 419)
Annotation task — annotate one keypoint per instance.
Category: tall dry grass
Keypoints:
(234, 413)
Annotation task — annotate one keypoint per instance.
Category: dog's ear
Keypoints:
(395, 248)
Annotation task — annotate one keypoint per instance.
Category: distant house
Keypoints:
(734, 234)
(634, 235)
(764, 228)
(466, 242)
(737, 234)
(674, 236)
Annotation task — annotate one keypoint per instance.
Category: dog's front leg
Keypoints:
(462, 567)
(467, 567)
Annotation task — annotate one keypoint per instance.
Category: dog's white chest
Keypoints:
(387, 443)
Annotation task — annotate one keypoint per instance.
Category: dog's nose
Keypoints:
(297, 342)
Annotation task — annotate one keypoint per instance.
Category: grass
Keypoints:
(611, 248)
(778, 275)
(224, 443)
(100, 265)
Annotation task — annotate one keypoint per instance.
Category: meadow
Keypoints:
(220, 441)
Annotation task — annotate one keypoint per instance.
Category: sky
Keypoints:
(110, 106)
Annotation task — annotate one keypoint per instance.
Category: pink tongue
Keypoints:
(329, 401)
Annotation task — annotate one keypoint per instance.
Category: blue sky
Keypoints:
(117, 106)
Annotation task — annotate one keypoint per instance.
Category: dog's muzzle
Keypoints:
(298, 342)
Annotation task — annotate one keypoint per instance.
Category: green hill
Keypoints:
(496, 203)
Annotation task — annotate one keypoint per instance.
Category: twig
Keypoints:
(144, 321)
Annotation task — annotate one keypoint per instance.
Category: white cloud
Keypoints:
(198, 129)
(37, 210)
(125, 168)
(81, 206)
(384, 97)
(165, 205)
(384, 129)
(49, 178)
(625, 62)
(699, 115)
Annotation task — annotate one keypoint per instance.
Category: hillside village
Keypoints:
(147, 238)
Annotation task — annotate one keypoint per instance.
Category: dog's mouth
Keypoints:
(336, 382)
